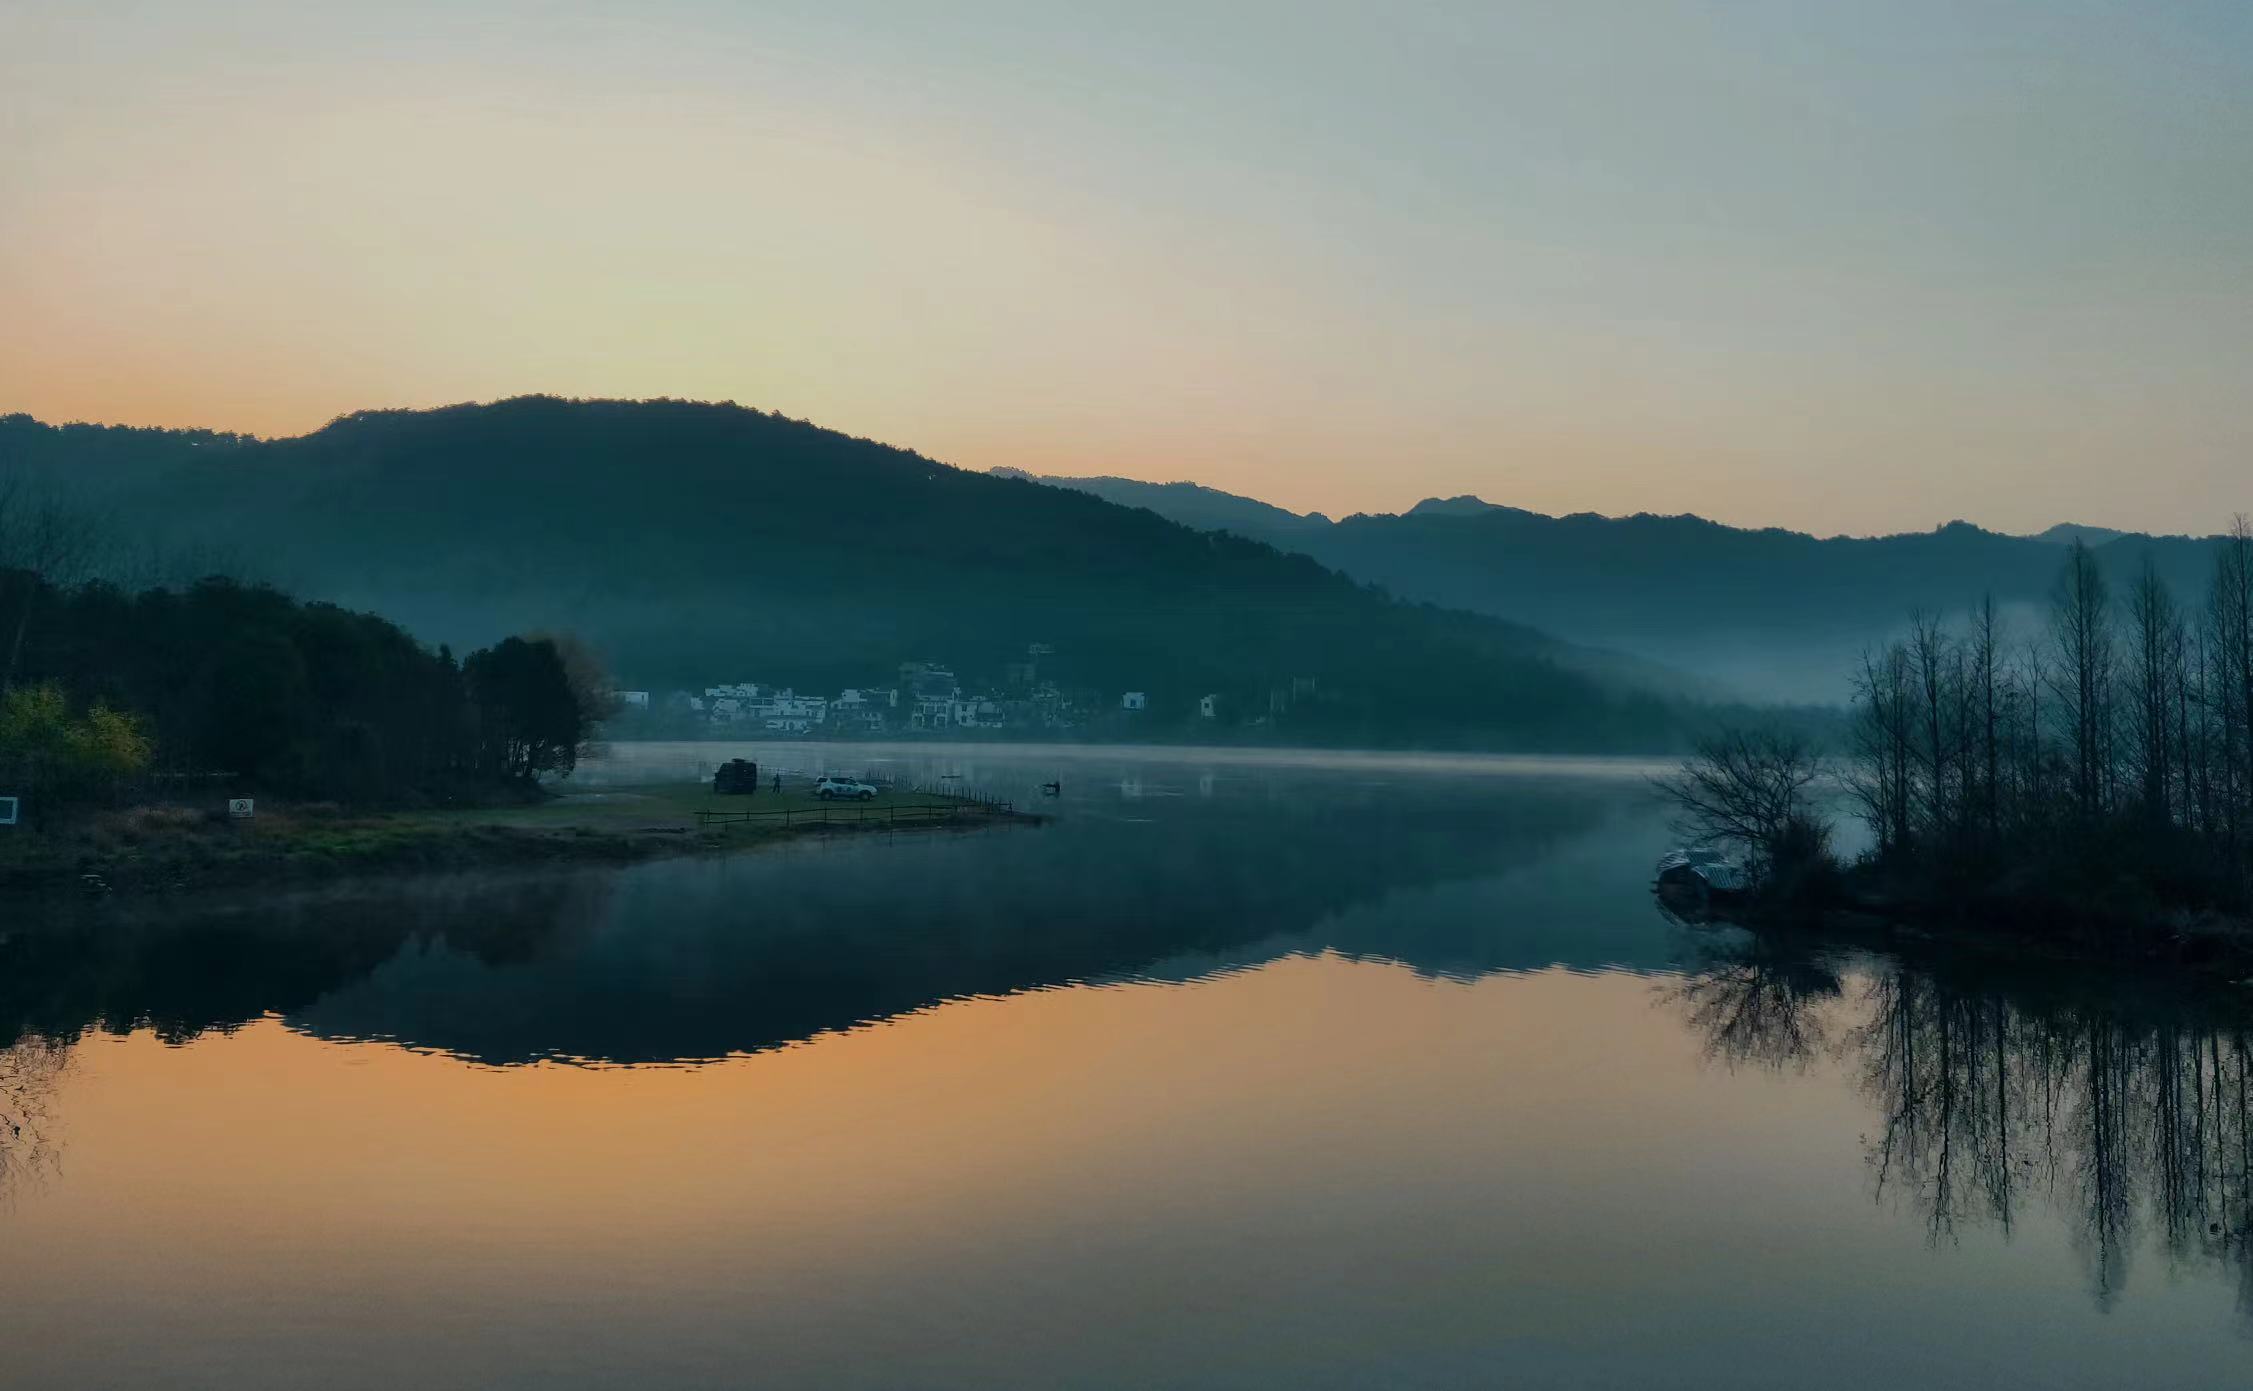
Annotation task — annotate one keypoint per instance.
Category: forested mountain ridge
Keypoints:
(1191, 504)
(1768, 612)
(700, 543)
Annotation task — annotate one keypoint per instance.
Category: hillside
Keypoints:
(1191, 504)
(1769, 613)
(701, 543)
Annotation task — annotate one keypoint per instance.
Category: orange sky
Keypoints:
(1845, 272)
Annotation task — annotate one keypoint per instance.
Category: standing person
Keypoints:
(778, 784)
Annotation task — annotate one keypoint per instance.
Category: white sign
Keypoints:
(239, 808)
(9, 809)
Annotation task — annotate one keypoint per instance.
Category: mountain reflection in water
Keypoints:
(1239, 1073)
(696, 959)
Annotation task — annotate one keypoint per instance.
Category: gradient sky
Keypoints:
(1844, 267)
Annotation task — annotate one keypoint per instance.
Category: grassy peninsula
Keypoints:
(168, 848)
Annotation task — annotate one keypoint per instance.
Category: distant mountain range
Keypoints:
(1768, 613)
(701, 543)
(704, 543)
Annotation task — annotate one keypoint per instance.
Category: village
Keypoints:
(928, 698)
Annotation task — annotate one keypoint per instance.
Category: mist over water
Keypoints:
(1248, 1069)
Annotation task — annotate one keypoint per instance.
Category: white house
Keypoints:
(932, 712)
(859, 710)
(977, 712)
(787, 712)
(1209, 706)
(731, 703)
(1134, 700)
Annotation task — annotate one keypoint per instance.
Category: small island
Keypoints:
(2085, 789)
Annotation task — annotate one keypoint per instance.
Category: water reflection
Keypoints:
(698, 959)
(1757, 1004)
(1373, 1059)
(2129, 1113)
(29, 1071)
(180, 974)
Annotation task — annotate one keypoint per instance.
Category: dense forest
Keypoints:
(1771, 613)
(2092, 775)
(109, 695)
(698, 543)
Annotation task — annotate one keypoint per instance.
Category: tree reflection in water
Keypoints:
(1755, 1005)
(2130, 1114)
(29, 1147)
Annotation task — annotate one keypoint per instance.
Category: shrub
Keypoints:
(58, 759)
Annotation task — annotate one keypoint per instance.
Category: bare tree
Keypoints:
(2229, 625)
(1932, 656)
(1984, 652)
(1883, 739)
(2081, 628)
(2155, 654)
(42, 539)
(1746, 789)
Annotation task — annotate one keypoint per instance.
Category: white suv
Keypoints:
(830, 788)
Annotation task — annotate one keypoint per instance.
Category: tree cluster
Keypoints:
(114, 693)
(2115, 746)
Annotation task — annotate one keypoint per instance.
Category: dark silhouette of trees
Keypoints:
(42, 536)
(2227, 685)
(1748, 789)
(529, 719)
(2156, 683)
(121, 692)
(2107, 768)
(1882, 741)
(2081, 629)
(2098, 782)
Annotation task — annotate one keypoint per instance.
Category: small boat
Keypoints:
(1702, 873)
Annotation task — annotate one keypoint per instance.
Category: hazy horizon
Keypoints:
(1857, 271)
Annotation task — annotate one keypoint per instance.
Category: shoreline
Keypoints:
(1339, 758)
(160, 850)
(2188, 948)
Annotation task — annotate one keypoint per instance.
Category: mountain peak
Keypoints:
(1461, 505)
(2066, 533)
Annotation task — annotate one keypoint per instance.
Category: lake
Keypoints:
(1247, 1070)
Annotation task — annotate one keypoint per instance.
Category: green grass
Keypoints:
(671, 805)
(173, 847)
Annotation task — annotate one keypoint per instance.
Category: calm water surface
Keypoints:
(1244, 1072)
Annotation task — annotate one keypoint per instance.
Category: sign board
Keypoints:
(239, 808)
(10, 809)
